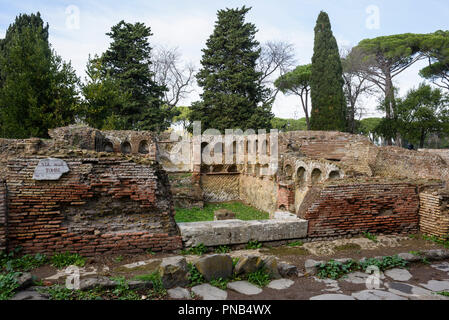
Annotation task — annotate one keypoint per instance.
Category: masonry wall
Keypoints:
(220, 187)
(339, 210)
(3, 216)
(259, 192)
(434, 213)
(100, 206)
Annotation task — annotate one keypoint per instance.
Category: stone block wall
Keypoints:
(101, 206)
(340, 210)
(434, 213)
(3, 215)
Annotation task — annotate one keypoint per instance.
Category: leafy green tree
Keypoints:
(385, 58)
(232, 94)
(103, 98)
(286, 125)
(369, 127)
(297, 82)
(326, 83)
(182, 117)
(422, 112)
(436, 48)
(38, 90)
(128, 61)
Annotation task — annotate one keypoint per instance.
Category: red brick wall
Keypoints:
(286, 197)
(434, 213)
(2, 215)
(353, 209)
(101, 205)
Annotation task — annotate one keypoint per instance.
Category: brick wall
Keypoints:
(286, 197)
(339, 210)
(434, 213)
(220, 187)
(3, 216)
(101, 205)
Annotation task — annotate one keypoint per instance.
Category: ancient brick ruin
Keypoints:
(122, 186)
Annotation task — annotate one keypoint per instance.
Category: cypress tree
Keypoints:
(128, 61)
(232, 96)
(38, 90)
(328, 99)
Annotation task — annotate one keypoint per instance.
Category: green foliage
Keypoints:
(8, 283)
(11, 262)
(118, 259)
(286, 125)
(198, 250)
(260, 277)
(155, 278)
(232, 93)
(38, 90)
(182, 117)
(103, 98)
(369, 127)
(443, 293)
(127, 62)
(242, 211)
(435, 47)
(297, 82)
(195, 277)
(61, 260)
(444, 242)
(335, 269)
(326, 82)
(57, 292)
(219, 283)
(422, 112)
(223, 249)
(370, 236)
(122, 291)
(295, 244)
(253, 245)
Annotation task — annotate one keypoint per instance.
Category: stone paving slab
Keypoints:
(376, 295)
(399, 274)
(332, 297)
(208, 292)
(179, 293)
(437, 285)
(244, 287)
(443, 266)
(280, 284)
(407, 290)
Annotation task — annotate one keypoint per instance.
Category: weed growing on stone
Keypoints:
(253, 245)
(195, 277)
(219, 283)
(222, 249)
(443, 293)
(295, 244)
(122, 291)
(11, 262)
(8, 283)
(118, 259)
(61, 260)
(198, 250)
(370, 236)
(260, 278)
(335, 269)
(444, 241)
(155, 278)
(57, 292)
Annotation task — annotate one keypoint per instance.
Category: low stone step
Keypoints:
(230, 232)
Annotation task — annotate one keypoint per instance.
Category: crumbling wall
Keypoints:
(350, 209)
(186, 190)
(401, 163)
(443, 153)
(102, 205)
(434, 213)
(3, 216)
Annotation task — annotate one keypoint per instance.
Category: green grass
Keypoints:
(242, 211)
(61, 260)
(444, 293)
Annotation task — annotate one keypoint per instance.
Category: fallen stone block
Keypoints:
(248, 264)
(174, 272)
(223, 214)
(215, 266)
(208, 292)
(244, 287)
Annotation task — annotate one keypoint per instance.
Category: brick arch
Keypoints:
(144, 147)
(126, 147)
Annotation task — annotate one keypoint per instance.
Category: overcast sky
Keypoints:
(78, 27)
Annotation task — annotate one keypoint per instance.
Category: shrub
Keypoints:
(61, 260)
(253, 245)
